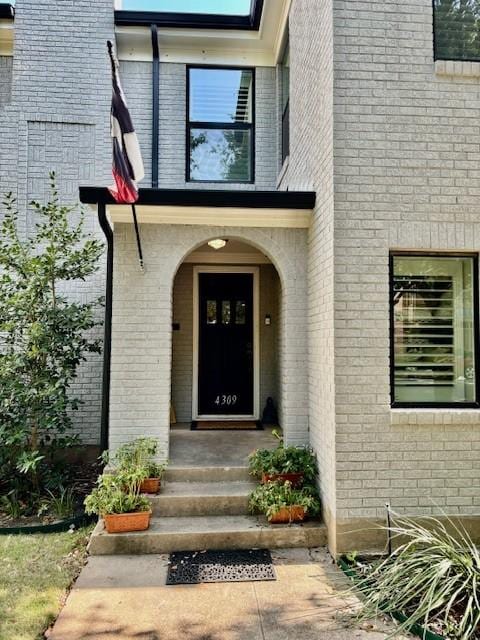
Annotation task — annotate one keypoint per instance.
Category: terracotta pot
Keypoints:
(295, 478)
(121, 522)
(294, 513)
(150, 485)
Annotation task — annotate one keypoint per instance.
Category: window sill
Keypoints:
(434, 416)
(457, 68)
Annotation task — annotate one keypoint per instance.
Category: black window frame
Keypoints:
(285, 109)
(476, 330)
(219, 125)
(445, 58)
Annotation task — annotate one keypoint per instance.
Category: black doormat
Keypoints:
(226, 425)
(194, 567)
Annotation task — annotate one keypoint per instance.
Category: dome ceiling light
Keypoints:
(217, 243)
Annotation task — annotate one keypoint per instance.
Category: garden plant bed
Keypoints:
(79, 480)
(357, 570)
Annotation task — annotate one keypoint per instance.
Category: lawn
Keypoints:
(36, 572)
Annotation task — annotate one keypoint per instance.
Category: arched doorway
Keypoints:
(225, 334)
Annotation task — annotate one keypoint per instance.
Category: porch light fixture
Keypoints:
(217, 243)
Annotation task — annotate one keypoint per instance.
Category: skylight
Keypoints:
(210, 7)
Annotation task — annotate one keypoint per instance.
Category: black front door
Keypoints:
(225, 344)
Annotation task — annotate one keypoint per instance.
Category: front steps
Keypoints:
(205, 508)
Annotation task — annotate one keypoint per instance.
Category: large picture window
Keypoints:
(457, 29)
(220, 135)
(434, 330)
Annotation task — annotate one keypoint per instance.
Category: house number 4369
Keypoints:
(222, 401)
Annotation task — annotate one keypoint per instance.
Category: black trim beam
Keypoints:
(7, 11)
(155, 103)
(165, 19)
(107, 340)
(208, 198)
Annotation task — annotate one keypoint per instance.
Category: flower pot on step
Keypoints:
(295, 478)
(123, 522)
(294, 513)
(150, 485)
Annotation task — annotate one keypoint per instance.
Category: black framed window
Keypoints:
(434, 330)
(285, 89)
(220, 125)
(456, 26)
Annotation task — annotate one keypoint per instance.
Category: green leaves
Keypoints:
(433, 577)
(44, 333)
(113, 494)
(270, 497)
(284, 460)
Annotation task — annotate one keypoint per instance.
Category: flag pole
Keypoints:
(137, 236)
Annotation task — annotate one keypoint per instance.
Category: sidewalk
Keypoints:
(125, 598)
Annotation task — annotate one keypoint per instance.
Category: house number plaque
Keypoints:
(226, 400)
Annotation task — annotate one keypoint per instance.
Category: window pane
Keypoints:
(220, 154)
(226, 313)
(231, 8)
(456, 30)
(433, 329)
(240, 308)
(211, 312)
(220, 95)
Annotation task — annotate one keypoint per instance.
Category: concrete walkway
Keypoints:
(125, 598)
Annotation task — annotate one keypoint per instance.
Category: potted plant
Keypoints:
(138, 457)
(298, 465)
(282, 503)
(118, 501)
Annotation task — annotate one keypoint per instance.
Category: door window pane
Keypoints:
(211, 312)
(240, 309)
(226, 313)
(433, 330)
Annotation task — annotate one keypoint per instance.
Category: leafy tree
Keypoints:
(44, 336)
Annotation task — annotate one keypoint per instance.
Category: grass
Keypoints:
(36, 572)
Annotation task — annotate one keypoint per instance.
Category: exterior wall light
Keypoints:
(217, 243)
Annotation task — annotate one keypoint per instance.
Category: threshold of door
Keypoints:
(226, 425)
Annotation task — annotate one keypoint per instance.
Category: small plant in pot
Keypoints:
(117, 499)
(138, 457)
(298, 465)
(282, 503)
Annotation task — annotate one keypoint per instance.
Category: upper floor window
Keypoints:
(457, 29)
(285, 89)
(220, 128)
(434, 330)
(218, 7)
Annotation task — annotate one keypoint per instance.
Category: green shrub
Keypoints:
(137, 457)
(115, 494)
(284, 460)
(433, 576)
(270, 497)
(44, 337)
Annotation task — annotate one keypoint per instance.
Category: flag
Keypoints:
(127, 166)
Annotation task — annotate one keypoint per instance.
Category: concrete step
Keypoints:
(207, 474)
(213, 532)
(202, 499)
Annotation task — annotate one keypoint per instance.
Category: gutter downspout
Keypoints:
(155, 103)
(107, 340)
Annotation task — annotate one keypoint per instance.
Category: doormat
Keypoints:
(226, 425)
(194, 567)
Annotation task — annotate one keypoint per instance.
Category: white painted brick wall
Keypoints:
(142, 316)
(407, 152)
(311, 167)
